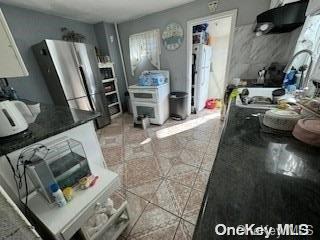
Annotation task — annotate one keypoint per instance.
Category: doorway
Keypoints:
(209, 46)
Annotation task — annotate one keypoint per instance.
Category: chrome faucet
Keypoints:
(304, 84)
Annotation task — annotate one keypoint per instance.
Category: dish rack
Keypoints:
(113, 228)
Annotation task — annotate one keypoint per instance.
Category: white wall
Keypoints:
(309, 39)
(218, 67)
(251, 53)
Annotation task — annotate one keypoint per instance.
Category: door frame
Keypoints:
(233, 14)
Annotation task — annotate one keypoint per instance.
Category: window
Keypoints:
(145, 44)
(309, 39)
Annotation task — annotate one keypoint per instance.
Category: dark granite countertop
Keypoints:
(51, 121)
(261, 179)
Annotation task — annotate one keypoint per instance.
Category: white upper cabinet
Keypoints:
(11, 63)
(313, 7)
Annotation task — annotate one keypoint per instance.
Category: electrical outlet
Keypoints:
(213, 5)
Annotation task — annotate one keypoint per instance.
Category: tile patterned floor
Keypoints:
(163, 170)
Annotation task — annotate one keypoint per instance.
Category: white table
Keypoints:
(64, 222)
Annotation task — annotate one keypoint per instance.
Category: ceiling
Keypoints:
(93, 11)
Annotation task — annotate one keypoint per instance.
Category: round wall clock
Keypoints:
(172, 36)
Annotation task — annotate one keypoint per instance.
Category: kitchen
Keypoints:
(176, 178)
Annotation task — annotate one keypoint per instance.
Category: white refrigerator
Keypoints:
(203, 55)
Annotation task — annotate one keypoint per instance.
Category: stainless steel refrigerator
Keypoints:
(72, 76)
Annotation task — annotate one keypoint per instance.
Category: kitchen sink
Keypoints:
(257, 92)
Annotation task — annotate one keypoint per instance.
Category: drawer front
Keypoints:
(72, 228)
(145, 109)
(144, 95)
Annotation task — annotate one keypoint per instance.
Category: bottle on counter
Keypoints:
(58, 195)
(290, 80)
(68, 193)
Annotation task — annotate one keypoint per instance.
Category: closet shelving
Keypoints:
(111, 89)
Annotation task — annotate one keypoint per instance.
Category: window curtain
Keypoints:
(145, 44)
(309, 39)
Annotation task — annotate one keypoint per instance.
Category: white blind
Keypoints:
(145, 44)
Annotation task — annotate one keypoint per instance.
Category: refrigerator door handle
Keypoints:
(76, 57)
(74, 53)
(204, 58)
(88, 61)
(85, 86)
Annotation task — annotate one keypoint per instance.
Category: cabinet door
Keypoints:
(11, 63)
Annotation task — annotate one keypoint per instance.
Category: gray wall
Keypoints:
(104, 32)
(28, 28)
(176, 61)
(115, 57)
(100, 32)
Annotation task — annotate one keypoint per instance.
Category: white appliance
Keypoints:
(151, 101)
(11, 119)
(202, 59)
